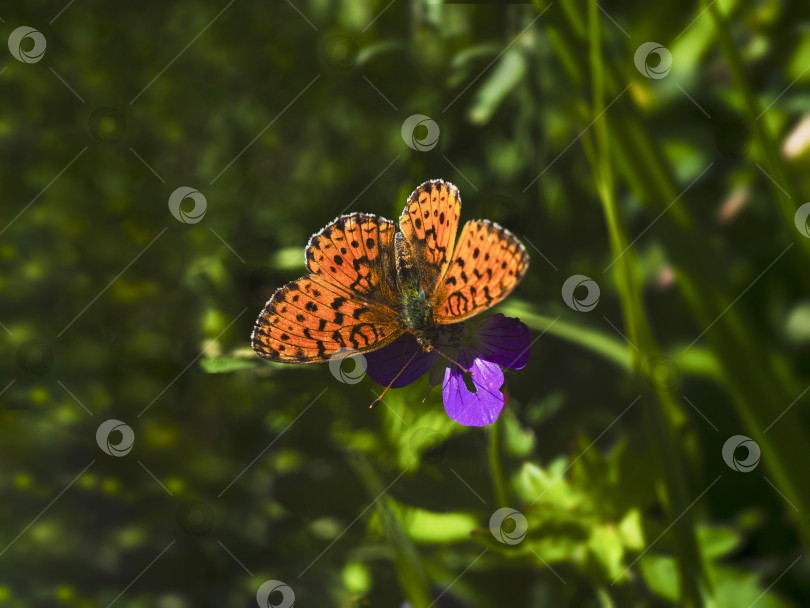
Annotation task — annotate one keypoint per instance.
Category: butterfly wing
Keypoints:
(429, 224)
(346, 303)
(487, 264)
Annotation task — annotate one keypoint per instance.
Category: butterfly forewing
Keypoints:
(356, 252)
(487, 264)
(429, 223)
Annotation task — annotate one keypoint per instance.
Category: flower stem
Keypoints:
(495, 463)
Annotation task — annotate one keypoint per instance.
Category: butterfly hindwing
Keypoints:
(429, 223)
(309, 320)
(487, 264)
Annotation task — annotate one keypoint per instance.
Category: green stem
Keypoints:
(407, 561)
(495, 464)
(661, 421)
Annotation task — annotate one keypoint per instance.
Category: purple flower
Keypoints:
(482, 348)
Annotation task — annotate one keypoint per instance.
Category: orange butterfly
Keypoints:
(371, 284)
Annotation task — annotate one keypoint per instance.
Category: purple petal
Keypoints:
(481, 407)
(383, 365)
(503, 340)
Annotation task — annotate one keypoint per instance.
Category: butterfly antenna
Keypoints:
(454, 362)
(399, 373)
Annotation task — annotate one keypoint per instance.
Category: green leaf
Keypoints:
(717, 542)
(797, 324)
(533, 481)
(606, 545)
(508, 72)
(631, 531)
(236, 360)
(519, 441)
(661, 575)
(356, 577)
(427, 527)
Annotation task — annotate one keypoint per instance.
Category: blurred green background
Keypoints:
(675, 192)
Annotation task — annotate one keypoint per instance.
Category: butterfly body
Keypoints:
(417, 319)
(369, 284)
(415, 312)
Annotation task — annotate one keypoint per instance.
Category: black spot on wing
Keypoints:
(458, 303)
